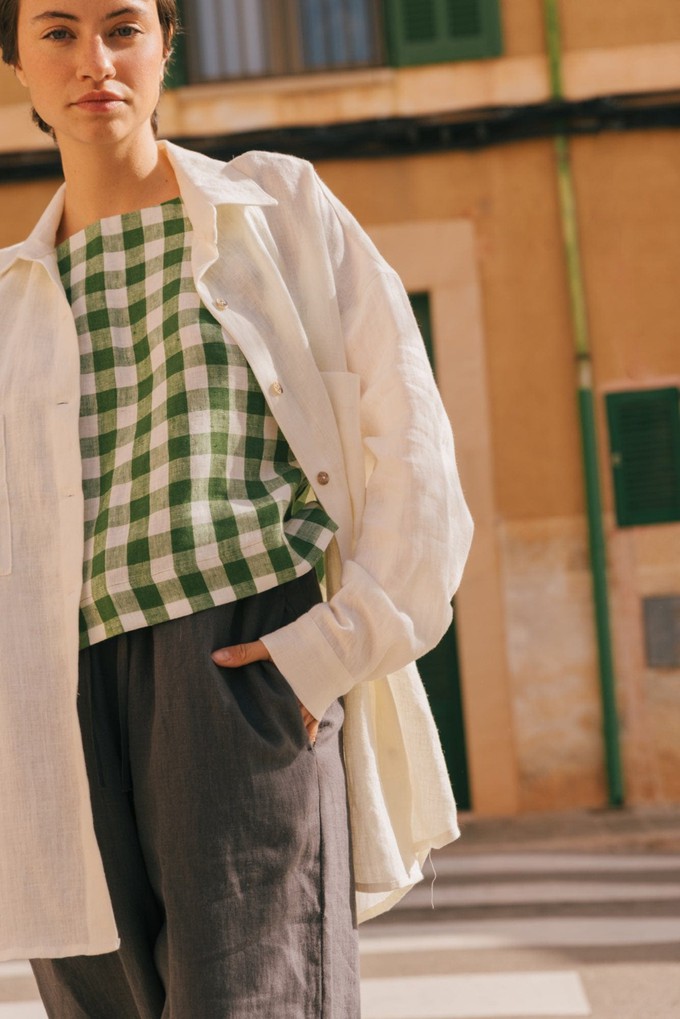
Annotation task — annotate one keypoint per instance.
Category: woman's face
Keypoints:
(93, 67)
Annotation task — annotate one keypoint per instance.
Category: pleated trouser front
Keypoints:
(224, 834)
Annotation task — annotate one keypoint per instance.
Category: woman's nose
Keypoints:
(96, 61)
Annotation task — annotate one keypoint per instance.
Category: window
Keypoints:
(233, 39)
(644, 438)
(254, 38)
(427, 31)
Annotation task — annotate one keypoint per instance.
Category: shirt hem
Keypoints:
(394, 891)
(99, 631)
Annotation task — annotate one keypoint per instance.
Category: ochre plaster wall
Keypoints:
(629, 198)
(20, 208)
(11, 90)
(523, 27)
(608, 24)
(590, 24)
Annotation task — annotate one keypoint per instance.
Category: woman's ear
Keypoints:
(167, 49)
(167, 56)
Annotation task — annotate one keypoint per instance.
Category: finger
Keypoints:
(311, 724)
(240, 654)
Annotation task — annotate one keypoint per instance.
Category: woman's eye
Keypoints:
(126, 31)
(58, 34)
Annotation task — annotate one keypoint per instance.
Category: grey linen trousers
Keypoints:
(224, 834)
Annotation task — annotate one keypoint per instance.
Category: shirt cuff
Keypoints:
(308, 663)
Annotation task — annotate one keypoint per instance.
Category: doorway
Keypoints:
(440, 667)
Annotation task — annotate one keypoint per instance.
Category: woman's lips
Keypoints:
(99, 101)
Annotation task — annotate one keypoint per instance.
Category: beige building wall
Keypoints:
(481, 231)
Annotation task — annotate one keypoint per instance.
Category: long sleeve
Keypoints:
(393, 603)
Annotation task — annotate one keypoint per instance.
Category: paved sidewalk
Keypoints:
(653, 829)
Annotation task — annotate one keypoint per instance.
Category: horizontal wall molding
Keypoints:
(403, 136)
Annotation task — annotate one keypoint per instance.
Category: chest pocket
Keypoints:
(5, 523)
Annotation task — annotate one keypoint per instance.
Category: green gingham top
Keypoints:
(192, 495)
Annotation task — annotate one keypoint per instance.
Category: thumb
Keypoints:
(240, 654)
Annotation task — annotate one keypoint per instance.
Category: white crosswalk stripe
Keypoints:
(551, 932)
(19, 997)
(537, 892)
(14, 969)
(22, 1010)
(475, 996)
(451, 864)
(491, 904)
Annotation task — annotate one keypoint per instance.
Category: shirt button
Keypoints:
(323, 478)
(276, 389)
(221, 304)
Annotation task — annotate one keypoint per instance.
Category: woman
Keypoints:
(209, 382)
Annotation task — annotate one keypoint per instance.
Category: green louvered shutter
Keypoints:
(431, 31)
(644, 438)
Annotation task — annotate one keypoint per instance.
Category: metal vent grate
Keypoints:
(662, 631)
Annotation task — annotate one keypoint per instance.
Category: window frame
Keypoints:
(391, 48)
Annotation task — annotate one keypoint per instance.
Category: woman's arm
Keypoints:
(393, 602)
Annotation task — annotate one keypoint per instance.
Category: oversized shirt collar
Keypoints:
(204, 184)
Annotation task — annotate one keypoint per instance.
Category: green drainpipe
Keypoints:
(598, 556)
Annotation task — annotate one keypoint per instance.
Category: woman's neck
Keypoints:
(109, 183)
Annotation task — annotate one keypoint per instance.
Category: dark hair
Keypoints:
(9, 22)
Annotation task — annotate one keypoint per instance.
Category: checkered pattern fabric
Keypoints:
(192, 495)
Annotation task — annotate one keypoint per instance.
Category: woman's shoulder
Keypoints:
(276, 163)
(276, 172)
(288, 187)
(279, 174)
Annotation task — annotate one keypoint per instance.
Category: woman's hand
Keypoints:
(243, 654)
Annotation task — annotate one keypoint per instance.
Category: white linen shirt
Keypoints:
(328, 331)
